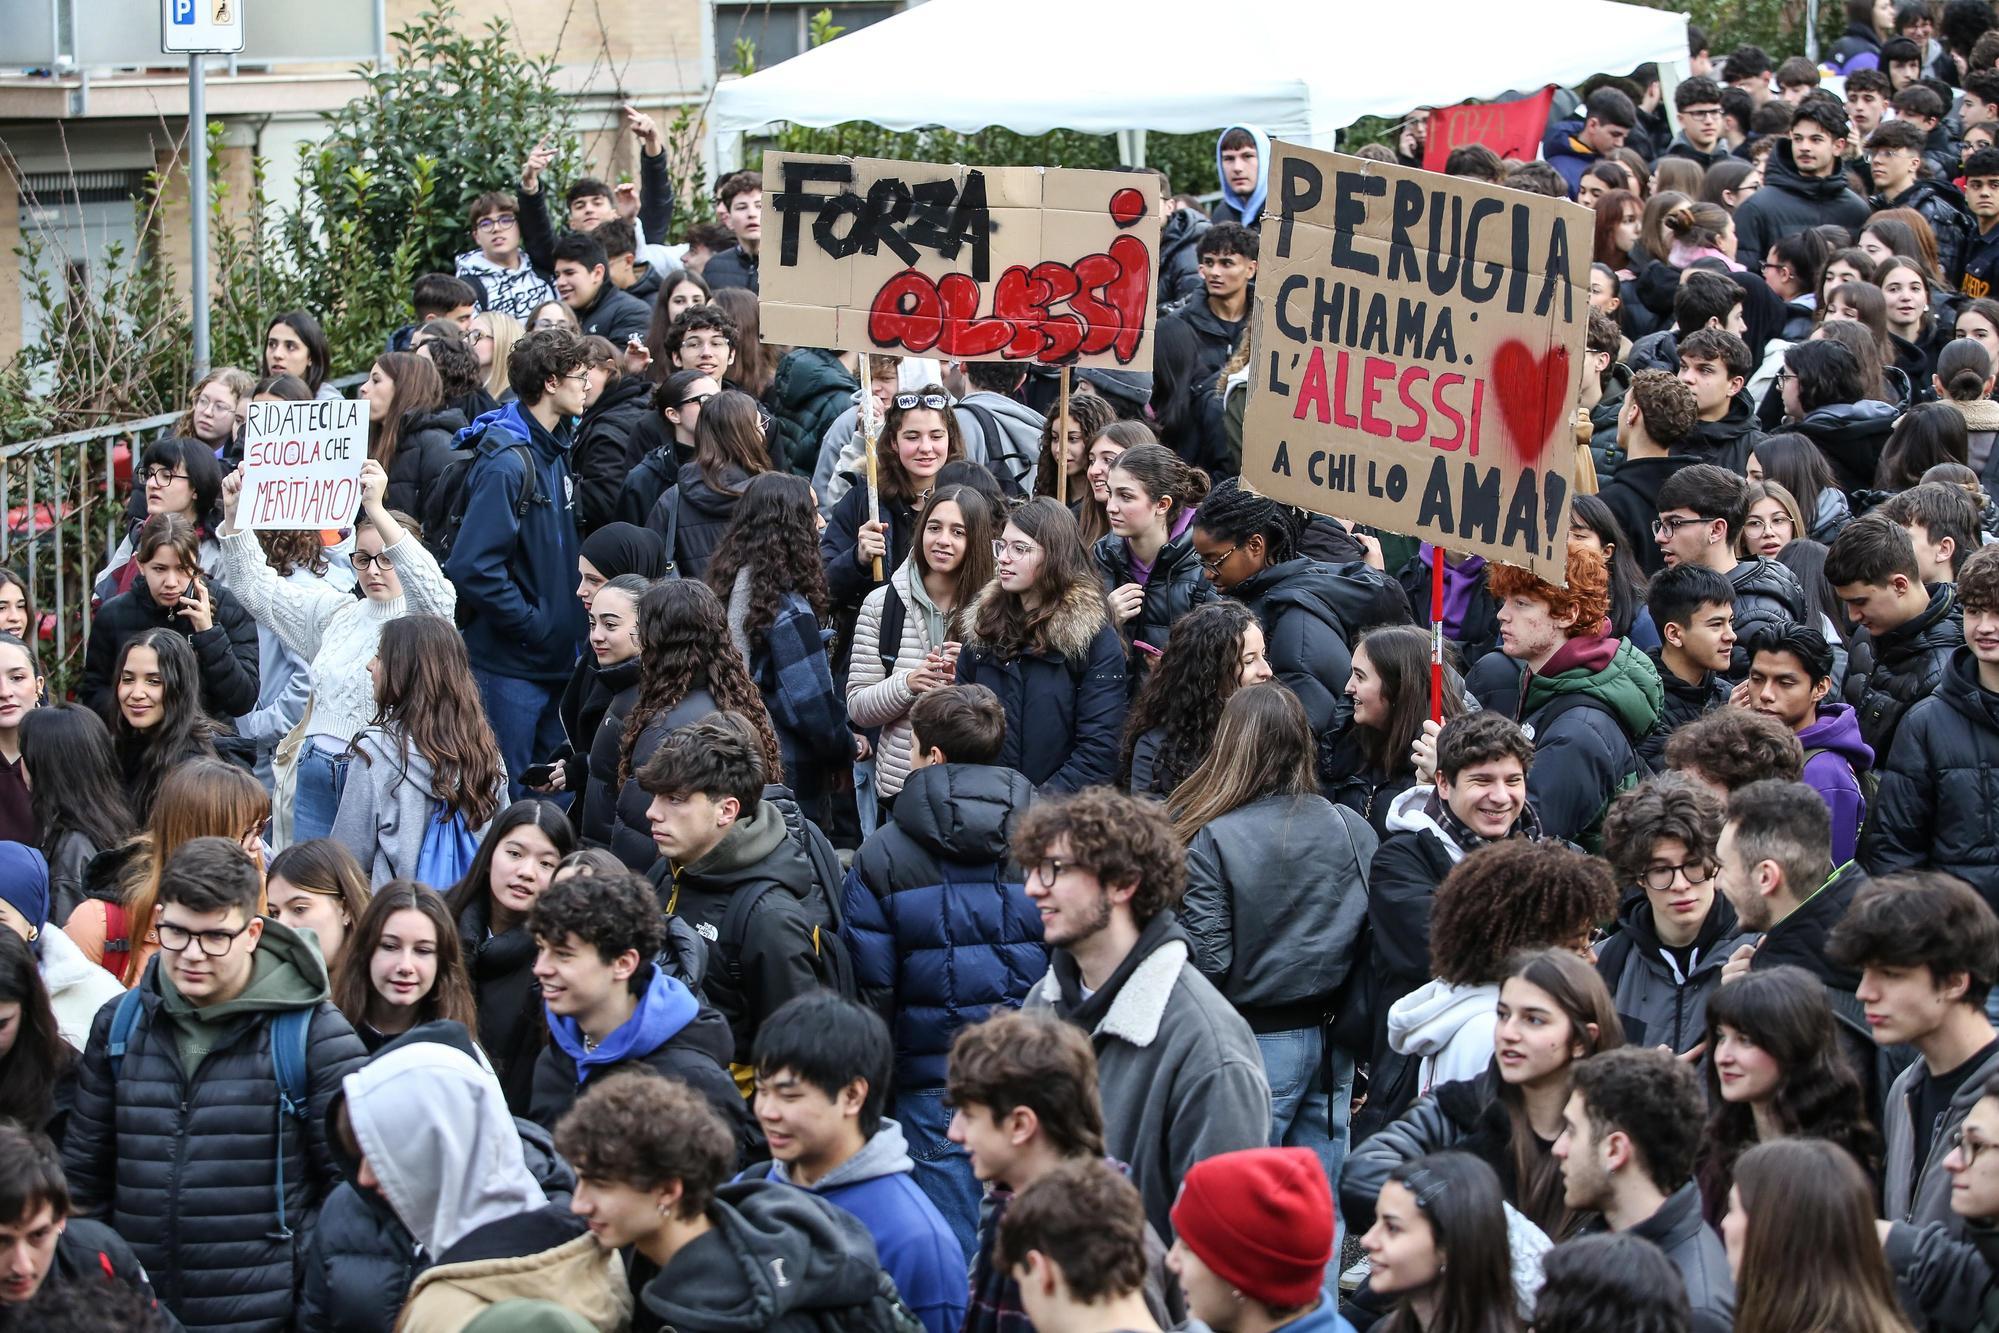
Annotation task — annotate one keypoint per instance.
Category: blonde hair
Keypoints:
(505, 331)
(202, 798)
(1769, 490)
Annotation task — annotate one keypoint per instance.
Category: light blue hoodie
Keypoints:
(1248, 210)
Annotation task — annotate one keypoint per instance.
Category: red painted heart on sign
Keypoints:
(1531, 391)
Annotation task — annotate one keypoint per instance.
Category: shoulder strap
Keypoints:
(530, 486)
(289, 1033)
(999, 445)
(123, 1019)
(736, 925)
(889, 643)
(1565, 703)
(672, 525)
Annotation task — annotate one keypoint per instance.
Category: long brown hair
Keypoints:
(896, 483)
(727, 436)
(450, 994)
(772, 535)
(1811, 1261)
(975, 570)
(1004, 622)
(1611, 206)
(684, 646)
(427, 700)
(756, 362)
(1580, 993)
(418, 388)
(1262, 748)
(147, 757)
(200, 798)
(1401, 658)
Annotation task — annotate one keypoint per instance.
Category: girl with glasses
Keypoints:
(213, 410)
(664, 441)
(1040, 637)
(336, 636)
(1777, 1069)
(1675, 933)
(1952, 1271)
(174, 476)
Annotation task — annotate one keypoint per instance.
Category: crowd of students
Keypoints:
(629, 879)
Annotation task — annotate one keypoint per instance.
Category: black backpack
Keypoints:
(444, 511)
(831, 962)
(1002, 459)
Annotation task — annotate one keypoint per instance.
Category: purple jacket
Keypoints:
(1835, 756)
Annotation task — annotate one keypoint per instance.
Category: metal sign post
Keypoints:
(198, 29)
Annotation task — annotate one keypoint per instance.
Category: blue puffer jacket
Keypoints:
(937, 918)
(516, 578)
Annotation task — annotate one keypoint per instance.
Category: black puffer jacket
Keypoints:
(631, 832)
(703, 518)
(606, 448)
(1767, 596)
(1179, 268)
(1726, 443)
(1176, 587)
(599, 801)
(225, 652)
(660, 460)
(1943, 207)
(1850, 435)
(427, 445)
(92, 1256)
(1890, 674)
(185, 1168)
(1937, 806)
(1312, 615)
(511, 1028)
(1465, 1116)
(1694, 1248)
(806, 396)
(362, 1259)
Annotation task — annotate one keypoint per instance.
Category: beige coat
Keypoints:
(580, 1275)
(877, 698)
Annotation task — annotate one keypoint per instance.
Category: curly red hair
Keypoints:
(1588, 593)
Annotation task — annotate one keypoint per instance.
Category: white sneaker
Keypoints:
(1354, 1276)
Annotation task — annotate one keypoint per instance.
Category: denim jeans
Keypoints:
(526, 718)
(1304, 1112)
(943, 1172)
(865, 807)
(322, 776)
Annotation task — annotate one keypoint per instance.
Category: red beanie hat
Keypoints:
(1262, 1220)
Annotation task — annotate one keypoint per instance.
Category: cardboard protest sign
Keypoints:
(302, 464)
(1419, 347)
(1028, 264)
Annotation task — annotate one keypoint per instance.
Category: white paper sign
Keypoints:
(302, 464)
(197, 27)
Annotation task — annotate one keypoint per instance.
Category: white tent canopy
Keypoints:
(1300, 69)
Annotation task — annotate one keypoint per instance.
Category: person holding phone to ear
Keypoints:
(171, 592)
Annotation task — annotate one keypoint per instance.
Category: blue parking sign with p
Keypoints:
(184, 13)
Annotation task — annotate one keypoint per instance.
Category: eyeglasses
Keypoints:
(1018, 550)
(1701, 113)
(1660, 878)
(1048, 872)
(694, 401)
(476, 335)
(1786, 376)
(905, 401)
(1967, 1147)
(162, 475)
(1663, 526)
(1766, 524)
(1882, 154)
(214, 943)
(1211, 563)
(550, 322)
(487, 226)
(704, 344)
(578, 377)
(379, 560)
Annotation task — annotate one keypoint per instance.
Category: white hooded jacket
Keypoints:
(1449, 1027)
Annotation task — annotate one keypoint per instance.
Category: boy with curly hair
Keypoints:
(1179, 1070)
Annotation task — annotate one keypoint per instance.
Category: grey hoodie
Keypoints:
(885, 1154)
(1925, 1200)
(435, 1129)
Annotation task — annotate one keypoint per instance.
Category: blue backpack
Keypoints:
(289, 1032)
(448, 849)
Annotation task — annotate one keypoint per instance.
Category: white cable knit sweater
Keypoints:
(334, 632)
